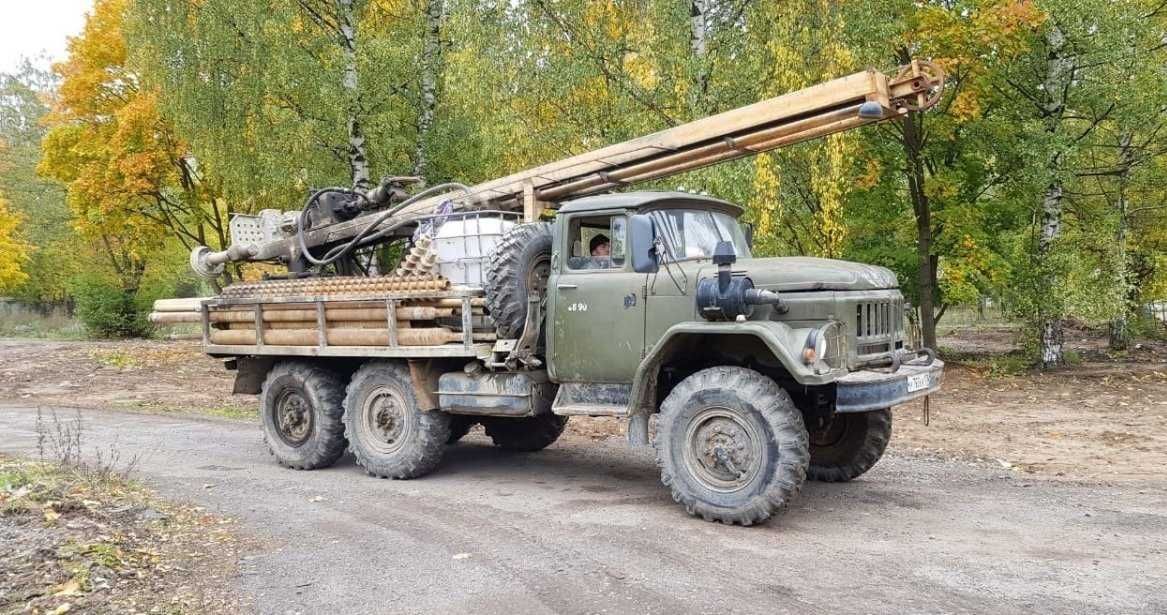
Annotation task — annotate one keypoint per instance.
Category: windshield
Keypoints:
(694, 233)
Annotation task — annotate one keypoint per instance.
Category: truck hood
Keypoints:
(794, 273)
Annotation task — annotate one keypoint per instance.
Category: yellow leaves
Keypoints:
(829, 181)
(968, 41)
(94, 78)
(14, 252)
(640, 69)
(607, 16)
(765, 202)
(966, 106)
(72, 587)
(872, 171)
(107, 141)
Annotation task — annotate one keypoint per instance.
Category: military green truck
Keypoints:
(751, 374)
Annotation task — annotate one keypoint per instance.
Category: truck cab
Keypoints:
(630, 319)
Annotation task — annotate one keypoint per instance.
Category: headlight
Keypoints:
(823, 344)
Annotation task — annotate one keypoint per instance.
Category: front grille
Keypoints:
(878, 325)
(873, 348)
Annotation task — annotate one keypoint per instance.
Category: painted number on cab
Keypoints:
(577, 307)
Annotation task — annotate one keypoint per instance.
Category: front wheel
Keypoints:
(390, 435)
(849, 445)
(731, 446)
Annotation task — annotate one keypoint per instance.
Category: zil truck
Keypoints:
(555, 292)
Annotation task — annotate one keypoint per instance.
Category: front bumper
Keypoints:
(865, 390)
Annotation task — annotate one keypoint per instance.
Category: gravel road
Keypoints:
(587, 528)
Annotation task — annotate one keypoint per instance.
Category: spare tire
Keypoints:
(519, 266)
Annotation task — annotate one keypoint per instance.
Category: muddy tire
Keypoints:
(519, 265)
(528, 434)
(849, 446)
(389, 434)
(731, 446)
(301, 407)
(460, 426)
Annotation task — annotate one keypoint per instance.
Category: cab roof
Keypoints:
(648, 200)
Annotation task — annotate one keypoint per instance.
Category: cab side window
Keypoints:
(597, 242)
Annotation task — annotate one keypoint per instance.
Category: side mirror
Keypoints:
(643, 244)
(748, 231)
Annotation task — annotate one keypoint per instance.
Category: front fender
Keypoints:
(783, 341)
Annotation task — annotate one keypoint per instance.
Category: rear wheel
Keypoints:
(390, 436)
(301, 407)
(849, 445)
(731, 446)
(529, 434)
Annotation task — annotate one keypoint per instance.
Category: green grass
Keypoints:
(118, 359)
(231, 412)
(228, 411)
(55, 326)
(1013, 363)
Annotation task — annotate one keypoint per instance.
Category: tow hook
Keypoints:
(928, 354)
(897, 359)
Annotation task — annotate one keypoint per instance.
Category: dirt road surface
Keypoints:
(585, 527)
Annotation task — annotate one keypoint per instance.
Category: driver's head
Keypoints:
(600, 246)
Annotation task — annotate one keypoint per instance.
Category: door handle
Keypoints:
(566, 286)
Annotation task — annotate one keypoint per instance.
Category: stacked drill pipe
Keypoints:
(348, 322)
(347, 285)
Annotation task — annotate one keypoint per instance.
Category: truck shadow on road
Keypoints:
(582, 478)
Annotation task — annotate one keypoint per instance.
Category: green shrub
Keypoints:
(107, 310)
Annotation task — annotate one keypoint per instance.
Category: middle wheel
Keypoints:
(390, 436)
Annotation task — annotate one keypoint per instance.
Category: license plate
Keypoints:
(917, 382)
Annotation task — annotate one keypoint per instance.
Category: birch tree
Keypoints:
(430, 73)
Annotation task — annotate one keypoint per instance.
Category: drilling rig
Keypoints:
(554, 292)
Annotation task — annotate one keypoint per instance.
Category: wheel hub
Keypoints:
(537, 277)
(723, 450)
(830, 435)
(293, 417)
(386, 419)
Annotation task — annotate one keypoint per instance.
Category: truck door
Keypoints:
(595, 302)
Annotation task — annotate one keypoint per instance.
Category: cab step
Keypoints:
(585, 399)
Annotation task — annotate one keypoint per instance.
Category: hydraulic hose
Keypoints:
(340, 251)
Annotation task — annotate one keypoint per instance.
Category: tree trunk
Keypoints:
(1050, 322)
(1058, 80)
(1120, 335)
(357, 158)
(925, 261)
(431, 66)
(698, 46)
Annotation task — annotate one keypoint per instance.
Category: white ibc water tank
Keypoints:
(464, 242)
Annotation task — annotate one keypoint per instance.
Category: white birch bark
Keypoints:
(1119, 326)
(358, 160)
(1058, 80)
(699, 47)
(431, 62)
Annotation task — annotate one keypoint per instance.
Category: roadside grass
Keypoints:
(1005, 365)
(54, 326)
(115, 358)
(81, 535)
(237, 412)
